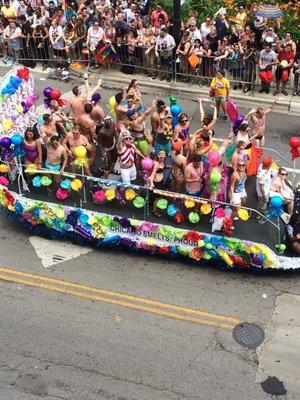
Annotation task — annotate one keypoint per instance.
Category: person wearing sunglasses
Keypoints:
(181, 130)
(280, 188)
(237, 188)
(127, 155)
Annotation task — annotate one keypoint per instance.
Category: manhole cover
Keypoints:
(248, 335)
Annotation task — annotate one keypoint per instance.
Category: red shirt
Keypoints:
(286, 55)
(155, 15)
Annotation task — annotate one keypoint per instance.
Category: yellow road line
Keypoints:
(228, 319)
(106, 293)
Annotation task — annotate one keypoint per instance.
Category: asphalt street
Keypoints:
(57, 344)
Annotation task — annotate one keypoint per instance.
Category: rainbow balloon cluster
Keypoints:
(99, 229)
(17, 101)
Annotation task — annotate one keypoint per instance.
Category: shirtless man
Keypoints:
(49, 128)
(155, 117)
(77, 103)
(75, 139)
(97, 113)
(258, 118)
(56, 160)
(107, 139)
(87, 123)
(121, 112)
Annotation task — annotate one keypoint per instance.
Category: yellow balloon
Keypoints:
(4, 168)
(7, 124)
(80, 151)
(112, 103)
(19, 109)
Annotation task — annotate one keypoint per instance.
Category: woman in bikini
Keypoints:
(156, 180)
(178, 166)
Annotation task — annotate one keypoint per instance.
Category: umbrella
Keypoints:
(269, 11)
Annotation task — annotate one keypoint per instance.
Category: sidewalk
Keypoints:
(116, 79)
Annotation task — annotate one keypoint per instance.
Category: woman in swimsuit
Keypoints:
(179, 164)
(33, 148)
(182, 129)
(156, 179)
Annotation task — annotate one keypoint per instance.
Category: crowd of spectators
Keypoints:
(141, 37)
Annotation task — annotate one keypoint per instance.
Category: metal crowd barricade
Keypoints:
(239, 73)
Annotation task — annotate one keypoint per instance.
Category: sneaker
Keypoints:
(276, 92)
(247, 89)
(285, 92)
(236, 218)
(234, 87)
(295, 92)
(225, 118)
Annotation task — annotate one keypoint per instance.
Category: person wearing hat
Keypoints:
(164, 134)
(127, 154)
(264, 178)
(285, 61)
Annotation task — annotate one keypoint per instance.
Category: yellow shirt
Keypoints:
(241, 19)
(8, 12)
(220, 86)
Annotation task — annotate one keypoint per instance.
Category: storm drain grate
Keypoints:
(248, 335)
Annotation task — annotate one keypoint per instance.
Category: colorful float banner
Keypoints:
(98, 229)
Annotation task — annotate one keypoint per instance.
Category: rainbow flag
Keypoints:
(269, 11)
(234, 20)
(106, 53)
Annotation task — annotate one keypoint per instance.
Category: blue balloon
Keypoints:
(17, 139)
(276, 201)
(175, 109)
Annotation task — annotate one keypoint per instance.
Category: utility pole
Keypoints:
(176, 20)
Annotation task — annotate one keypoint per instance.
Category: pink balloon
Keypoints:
(231, 109)
(214, 157)
(147, 163)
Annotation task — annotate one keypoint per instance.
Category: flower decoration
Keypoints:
(162, 204)
(110, 194)
(193, 236)
(139, 202)
(196, 254)
(205, 209)
(189, 203)
(243, 214)
(62, 194)
(76, 185)
(178, 218)
(99, 196)
(37, 181)
(4, 168)
(194, 217)
(46, 181)
(130, 194)
(4, 181)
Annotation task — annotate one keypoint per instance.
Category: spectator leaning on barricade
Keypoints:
(236, 40)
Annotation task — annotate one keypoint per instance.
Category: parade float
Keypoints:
(106, 213)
